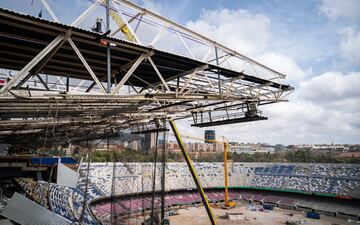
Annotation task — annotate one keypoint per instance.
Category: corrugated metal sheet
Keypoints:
(26, 212)
(25, 44)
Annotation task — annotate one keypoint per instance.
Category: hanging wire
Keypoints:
(163, 177)
(56, 117)
(113, 202)
(38, 151)
(132, 193)
(142, 191)
(47, 127)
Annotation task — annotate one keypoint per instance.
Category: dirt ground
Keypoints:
(278, 216)
(198, 216)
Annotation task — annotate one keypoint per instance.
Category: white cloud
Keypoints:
(324, 109)
(340, 9)
(284, 65)
(350, 45)
(249, 34)
(238, 29)
(331, 87)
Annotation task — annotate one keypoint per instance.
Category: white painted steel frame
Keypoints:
(99, 109)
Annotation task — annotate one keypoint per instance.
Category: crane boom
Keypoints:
(202, 139)
(122, 26)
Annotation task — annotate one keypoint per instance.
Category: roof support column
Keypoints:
(108, 55)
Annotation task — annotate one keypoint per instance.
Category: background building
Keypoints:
(252, 148)
(209, 136)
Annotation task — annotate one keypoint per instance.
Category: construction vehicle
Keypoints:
(227, 204)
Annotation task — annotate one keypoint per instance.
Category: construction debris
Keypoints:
(295, 222)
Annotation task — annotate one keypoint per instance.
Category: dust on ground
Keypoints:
(198, 216)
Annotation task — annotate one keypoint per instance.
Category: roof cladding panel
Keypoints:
(33, 34)
(81, 113)
(20, 45)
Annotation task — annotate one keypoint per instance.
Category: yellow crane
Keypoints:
(122, 26)
(228, 204)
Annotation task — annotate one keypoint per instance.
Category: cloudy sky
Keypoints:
(316, 43)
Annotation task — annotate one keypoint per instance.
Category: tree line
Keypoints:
(291, 156)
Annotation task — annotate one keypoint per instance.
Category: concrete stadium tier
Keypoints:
(295, 186)
(342, 180)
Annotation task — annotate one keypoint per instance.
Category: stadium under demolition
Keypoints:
(66, 85)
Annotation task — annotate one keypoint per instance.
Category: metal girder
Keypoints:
(32, 63)
(130, 72)
(203, 67)
(48, 8)
(159, 74)
(194, 35)
(43, 82)
(164, 84)
(226, 121)
(78, 53)
(86, 13)
(48, 48)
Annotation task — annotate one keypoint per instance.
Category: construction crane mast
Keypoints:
(228, 204)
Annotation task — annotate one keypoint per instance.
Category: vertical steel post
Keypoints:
(113, 194)
(67, 83)
(226, 145)
(193, 172)
(163, 178)
(108, 56)
(154, 181)
(88, 155)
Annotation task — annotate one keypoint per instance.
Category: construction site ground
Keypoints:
(198, 216)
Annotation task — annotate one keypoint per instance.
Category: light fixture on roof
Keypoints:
(98, 25)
